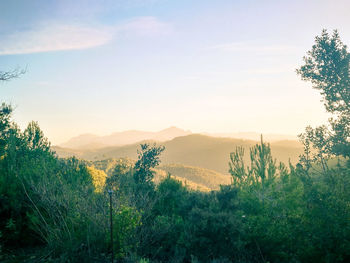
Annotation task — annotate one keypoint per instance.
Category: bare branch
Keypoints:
(8, 75)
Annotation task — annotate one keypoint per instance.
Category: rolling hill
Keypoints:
(92, 141)
(191, 150)
(194, 177)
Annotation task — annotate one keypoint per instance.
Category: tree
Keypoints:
(148, 158)
(327, 67)
(35, 138)
(118, 179)
(5, 114)
(262, 165)
(6, 110)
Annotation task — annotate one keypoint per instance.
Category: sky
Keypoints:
(104, 66)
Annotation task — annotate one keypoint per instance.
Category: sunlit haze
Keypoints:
(205, 66)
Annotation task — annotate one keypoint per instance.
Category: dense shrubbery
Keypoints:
(46, 200)
(270, 213)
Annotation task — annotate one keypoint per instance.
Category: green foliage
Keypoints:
(109, 165)
(45, 200)
(170, 194)
(327, 215)
(143, 187)
(148, 158)
(327, 66)
(119, 178)
(270, 213)
(35, 139)
(262, 166)
(214, 227)
(292, 214)
(26, 156)
(126, 220)
(5, 112)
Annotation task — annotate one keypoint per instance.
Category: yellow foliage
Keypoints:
(98, 178)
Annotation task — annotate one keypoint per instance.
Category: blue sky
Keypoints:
(208, 66)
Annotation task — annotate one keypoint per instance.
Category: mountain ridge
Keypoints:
(193, 150)
(92, 141)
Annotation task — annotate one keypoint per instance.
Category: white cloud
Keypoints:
(54, 38)
(57, 36)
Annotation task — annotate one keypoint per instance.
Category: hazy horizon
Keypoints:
(212, 67)
(127, 137)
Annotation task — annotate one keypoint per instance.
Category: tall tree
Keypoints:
(327, 67)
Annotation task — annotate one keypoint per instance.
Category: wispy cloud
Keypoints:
(60, 36)
(53, 38)
(144, 26)
(240, 47)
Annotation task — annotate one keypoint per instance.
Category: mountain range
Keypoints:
(91, 141)
(192, 150)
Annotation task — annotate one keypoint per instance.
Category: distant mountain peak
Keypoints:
(173, 128)
(123, 138)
